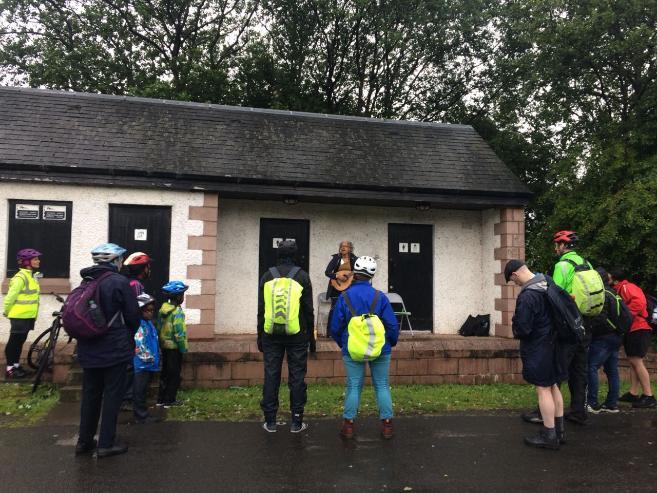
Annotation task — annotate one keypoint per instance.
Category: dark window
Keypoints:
(44, 225)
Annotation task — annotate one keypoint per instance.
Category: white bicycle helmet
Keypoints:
(144, 299)
(365, 265)
(106, 253)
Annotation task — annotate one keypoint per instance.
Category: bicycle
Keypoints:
(41, 354)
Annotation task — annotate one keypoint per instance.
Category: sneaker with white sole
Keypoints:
(609, 409)
(298, 427)
(269, 427)
(595, 409)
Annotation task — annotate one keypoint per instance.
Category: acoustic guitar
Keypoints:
(342, 285)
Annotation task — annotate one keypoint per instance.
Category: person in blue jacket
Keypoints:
(532, 325)
(146, 361)
(359, 299)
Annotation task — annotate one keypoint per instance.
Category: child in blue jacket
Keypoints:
(147, 359)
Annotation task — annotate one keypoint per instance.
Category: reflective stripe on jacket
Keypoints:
(22, 300)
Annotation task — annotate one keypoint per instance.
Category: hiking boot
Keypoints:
(645, 401)
(85, 448)
(546, 438)
(298, 427)
(116, 449)
(16, 373)
(609, 409)
(269, 427)
(576, 418)
(533, 417)
(347, 430)
(386, 428)
(560, 429)
(628, 397)
(595, 409)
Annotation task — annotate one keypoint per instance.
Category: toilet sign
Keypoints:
(141, 234)
(27, 211)
(54, 212)
(415, 248)
(403, 248)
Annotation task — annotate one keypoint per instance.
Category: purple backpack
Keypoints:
(82, 316)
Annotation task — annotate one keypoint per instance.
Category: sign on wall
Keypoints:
(141, 234)
(403, 248)
(27, 211)
(54, 212)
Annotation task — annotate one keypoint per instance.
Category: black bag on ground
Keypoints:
(566, 317)
(476, 326)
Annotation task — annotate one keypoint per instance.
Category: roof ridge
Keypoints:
(236, 109)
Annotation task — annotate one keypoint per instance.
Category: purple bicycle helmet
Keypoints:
(25, 255)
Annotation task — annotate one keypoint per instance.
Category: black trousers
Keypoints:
(170, 375)
(102, 392)
(14, 347)
(297, 358)
(140, 383)
(576, 359)
(129, 379)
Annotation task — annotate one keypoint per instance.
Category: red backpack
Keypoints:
(82, 316)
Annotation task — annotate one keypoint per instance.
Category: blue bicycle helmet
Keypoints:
(106, 253)
(175, 287)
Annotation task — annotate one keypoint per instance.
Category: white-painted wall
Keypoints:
(463, 255)
(90, 228)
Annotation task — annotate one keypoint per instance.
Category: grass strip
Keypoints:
(19, 407)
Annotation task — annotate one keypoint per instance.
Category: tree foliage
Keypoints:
(564, 90)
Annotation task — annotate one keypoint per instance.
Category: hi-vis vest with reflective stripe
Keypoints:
(27, 301)
(367, 335)
(282, 299)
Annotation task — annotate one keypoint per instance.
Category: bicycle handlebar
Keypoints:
(57, 297)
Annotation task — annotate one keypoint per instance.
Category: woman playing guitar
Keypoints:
(339, 271)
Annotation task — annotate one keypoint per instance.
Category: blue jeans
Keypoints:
(379, 369)
(603, 352)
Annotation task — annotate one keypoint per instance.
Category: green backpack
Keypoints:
(587, 289)
(367, 335)
(282, 297)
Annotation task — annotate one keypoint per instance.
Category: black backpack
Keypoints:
(476, 326)
(620, 315)
(566, 317)
(651, 306)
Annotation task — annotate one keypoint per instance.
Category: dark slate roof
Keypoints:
(90, 138)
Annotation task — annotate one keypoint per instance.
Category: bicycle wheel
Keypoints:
(48, 355)
(38, 348)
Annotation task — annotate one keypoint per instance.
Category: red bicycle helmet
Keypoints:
(569, 237)
(138, 258)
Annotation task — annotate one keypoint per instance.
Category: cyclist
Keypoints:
(21, 306)
(104, 358)
(138, 267)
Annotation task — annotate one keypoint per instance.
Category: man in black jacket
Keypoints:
(532, 324)
(104, 358)
(275, 345)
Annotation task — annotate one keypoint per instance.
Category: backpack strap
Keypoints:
(374, 301)
(349, 305)
(274, 272)
(293, 272)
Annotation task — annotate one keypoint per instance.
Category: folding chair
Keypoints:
(395, 299)
(323, 309)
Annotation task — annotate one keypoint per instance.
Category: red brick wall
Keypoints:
(511, 231)
(207, 271)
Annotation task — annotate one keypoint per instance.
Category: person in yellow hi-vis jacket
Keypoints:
(21, 307)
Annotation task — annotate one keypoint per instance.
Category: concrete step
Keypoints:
(73, 393)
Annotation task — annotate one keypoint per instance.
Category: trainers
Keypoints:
(576, 418)
(167, 405)
(298, 427)
(609, 409)
(347, 430)
(543, 439)
(628, 397)
(595, 409)
(116, 449)
(16, 373)
(159, 404)
(386, 428)
(85, 448)
(533, 417)
(645, 401)
(269, 427)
